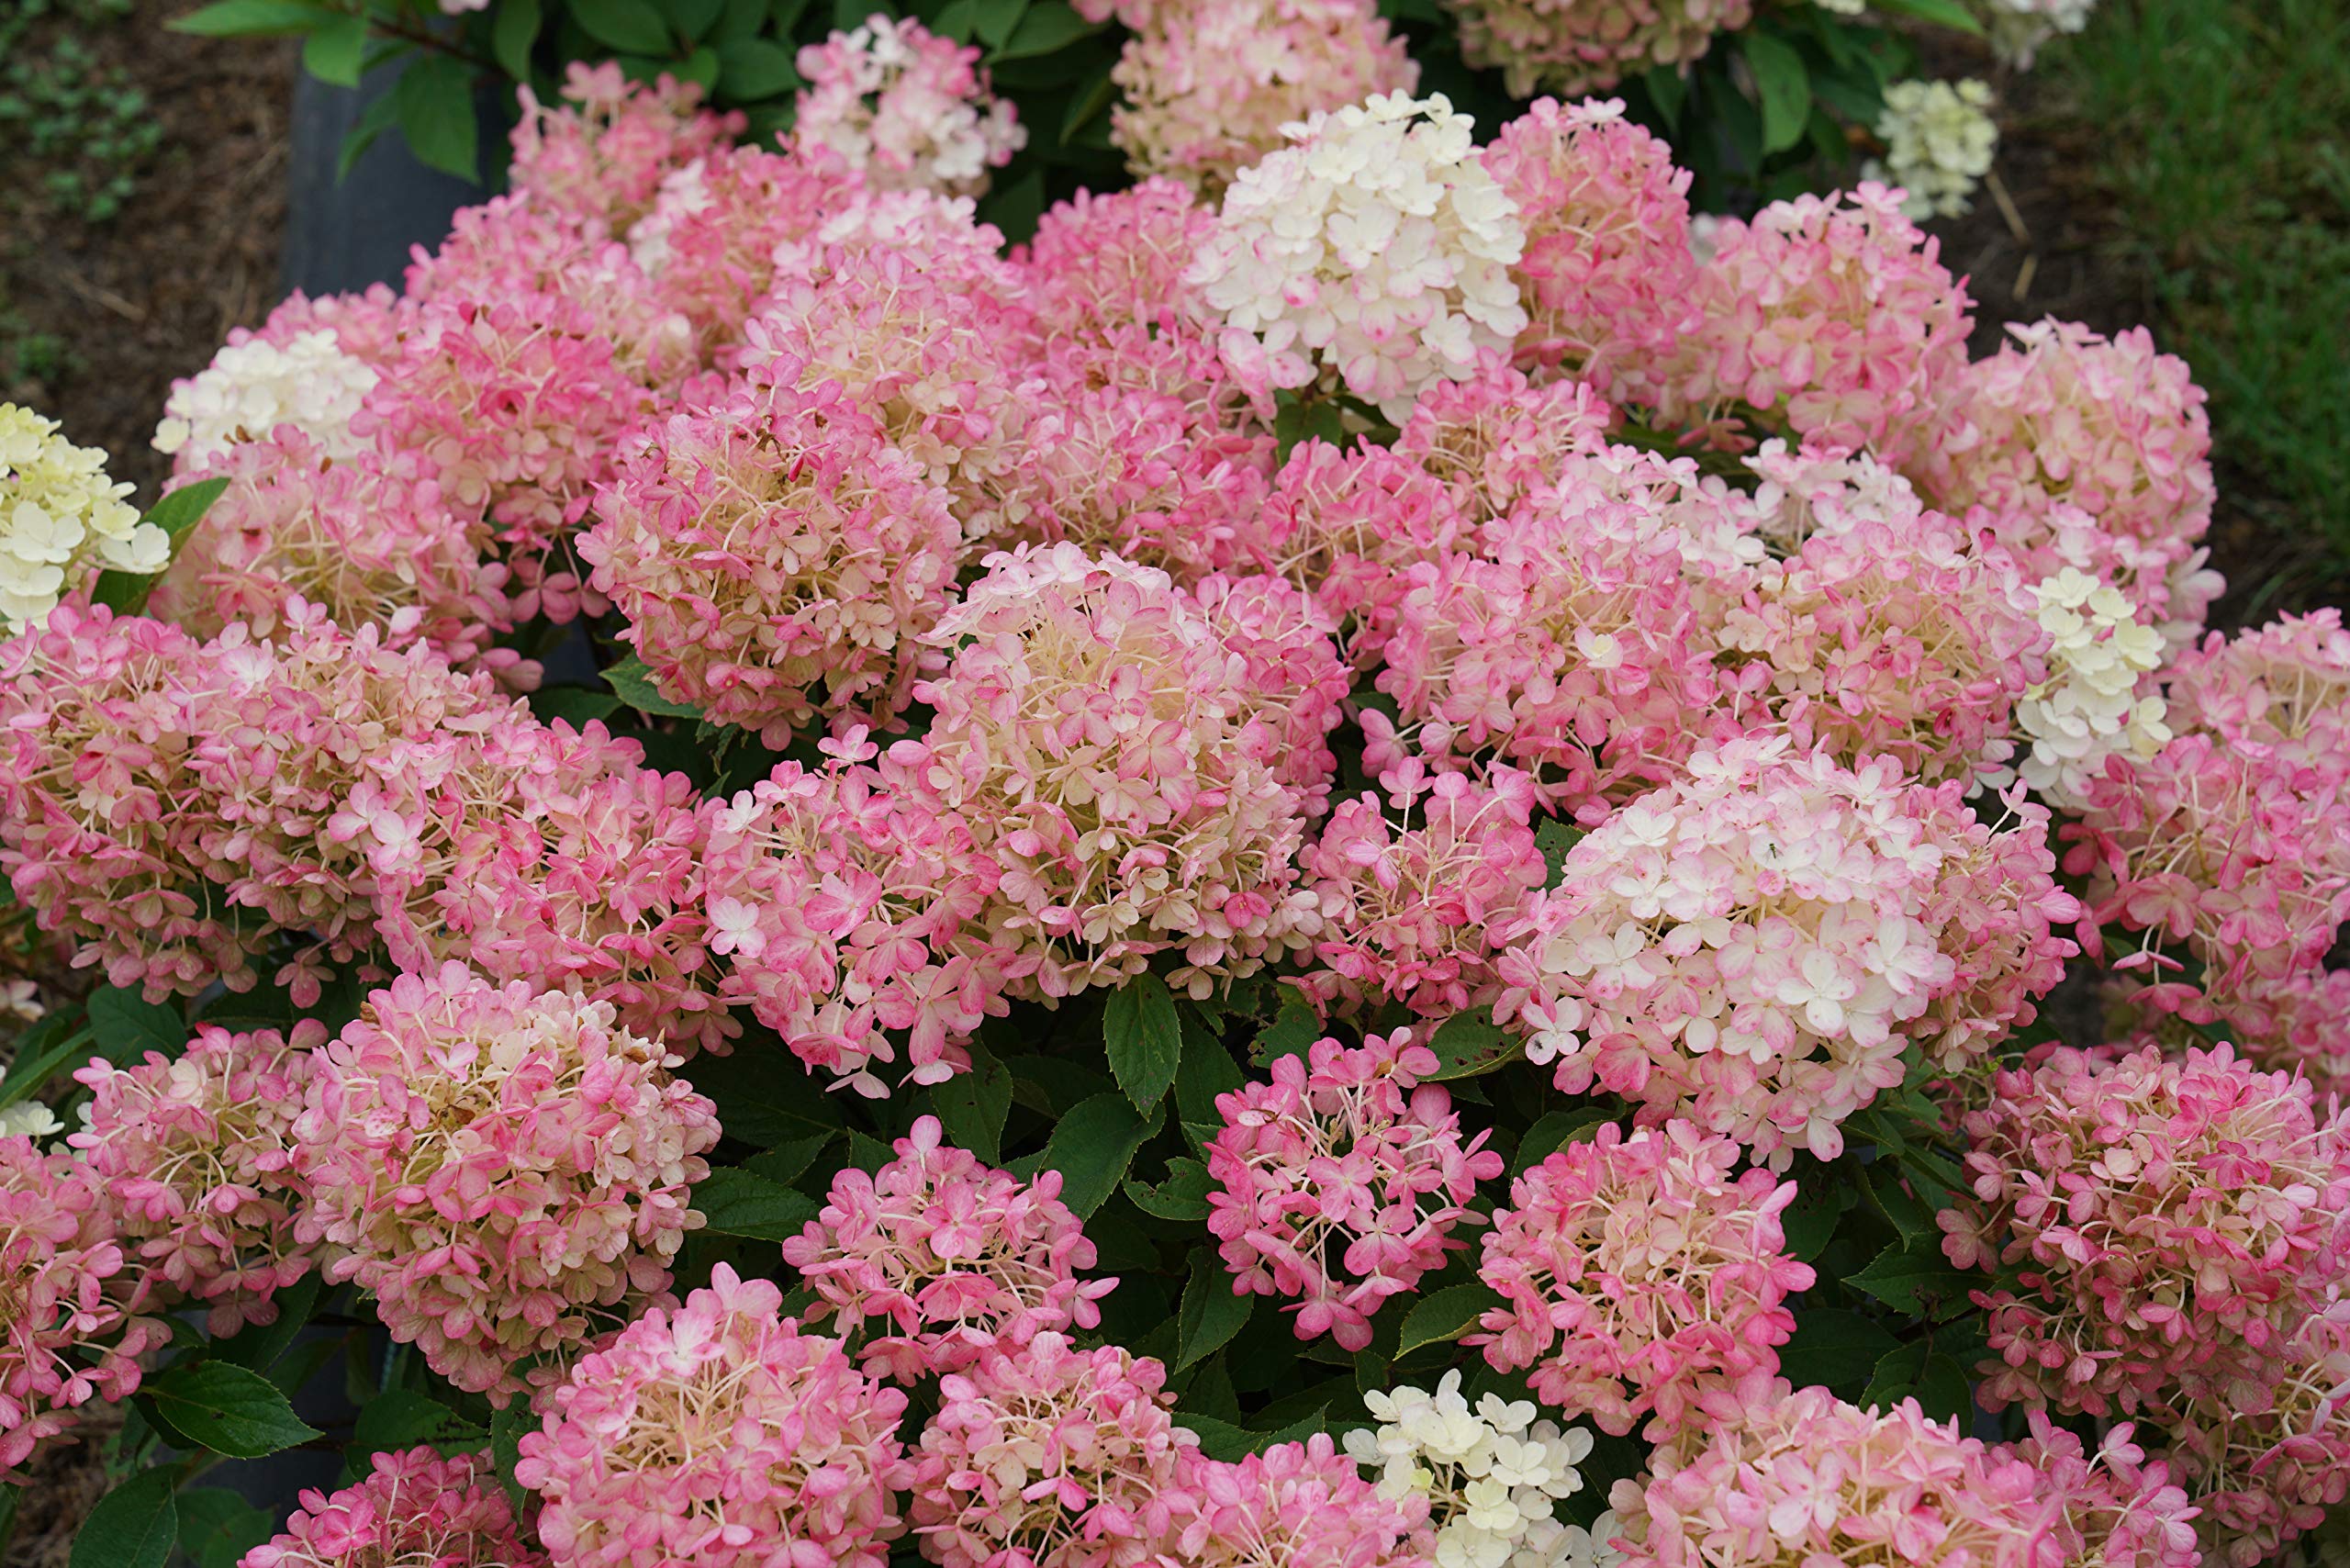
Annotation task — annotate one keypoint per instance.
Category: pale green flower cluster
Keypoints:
(60, 519)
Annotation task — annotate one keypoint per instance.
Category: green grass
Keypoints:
(2225, 135)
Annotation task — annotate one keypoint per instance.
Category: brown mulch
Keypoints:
(147, 296)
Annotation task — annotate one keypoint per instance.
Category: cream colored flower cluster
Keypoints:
(60, 519)
(253, 387)
(1490, 1473)
(2098, 698)
(1938, 138)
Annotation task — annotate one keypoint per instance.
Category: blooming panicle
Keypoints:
(1291, 672)
(61, 520)
(2263, 1471)
(1373, 256)
(1637, 1273)
(1101, 741)
(1340, 1181)
(412, 1506)
(197, 1158)
(936, 1259)
(717, 1433)
(75, 1323)
(1938, 139)
(906, 109)
(2169, 1223)
(494, 1164)
(1209, 87)
(2283, 687)
(1488, 1475)
(1496, 438)
(1577, 47)
(1609, 273)
(1796, 1476)
(255, 385)
(1564, 644)
(2099, 697)
(598, 157)
(1832, 319)
(1049, 1456)
(1344, 525)
(2020, 27)
(1754, 948)
(776, 559)
(1101, 262)
(848, 912)
(1412, 913)
(366, 325)
(2121, 1509)
(365, 541)
(1295, 1506)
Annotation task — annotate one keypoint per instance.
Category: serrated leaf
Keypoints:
(992, 22)
(1470, 1043)
(403, 1418)
(1292, 1033)
(229, 1410)
(1211, 1313)
(1206, 1070)
(373, 120)
(693, 18)
(1183, 1197)
(506, 1429)
(736, 1202)
(259, 1346)
(335, 51)
(1809, 1223)
(1783, 82)
(252, 18)
(1902, 1277)
(1044, 27)
(635, 687)
(216, 1528)
(434, 98)
(972, 1107)
(514, 35)
(127, 1027)
(1224, 1441)
(1554, 1131)
(1092, 1145)
(751, 69)
(574, 705)
(1445, 1314)
(632, 27)
(1144, 1038)
(134, 1526)
(1834, 1349)
(176, 515)
(1895, 1376)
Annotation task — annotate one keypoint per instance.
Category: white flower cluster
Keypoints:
(2090, 706)
(251, 388)
(1377, 250)
(30, 1118)
(906, 107)
(1490, 1474)
(60, 519)
(2018, 28)
(1938, 138)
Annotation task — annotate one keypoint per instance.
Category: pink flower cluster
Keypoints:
(1049, 1456)
(1574, 47)
(934, 1260)
(71, 1324)
(2264, 1470)
(412, 1507)
(905, 107)
(1754, 948)
(1639, 1275)
(2170, 1225)
(198, 1158)
(600, 157)
(719, 1434)
(499, 1168)
(1339, 1183)
(1292, 1506)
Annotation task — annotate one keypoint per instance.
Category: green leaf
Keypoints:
(635, 687)
(435, 100)
(1206, 1070)
(1554, 839)
(216, 1528)
(764, 1102)
(1015, 207)
(735, 1201)
(1470, 1043)
(403, 1418)
(506, 1429)
(1092, 1145)
(229, 1410)
(1896, 1376)
(1782, 84)
(134, 1526)
(1946, 13)
(261, 1346)
(1443, 1315)
(1555, 1131)
(514, 35)
(1043, 29)
(126, 1027)
(252, 18)
(1834, 1349)
(848, 14)
(788, 1163)
(632, 27)
(693, 18)
(1904, 1278)
(992, 22)
(751, 69)
(1211, 1313)
(1224, 1441)
(573, 704)
(972, 1105)
(333, 53)
(1290, 1034)
(1144, 1038)
(176, 515)
(957, 20)
(41, 1051)
(1809, 1223)
(1668, 91)
(1083, 106)
(1183, 1197)
(373, 120)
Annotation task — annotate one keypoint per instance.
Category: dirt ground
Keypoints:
(115, 307)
